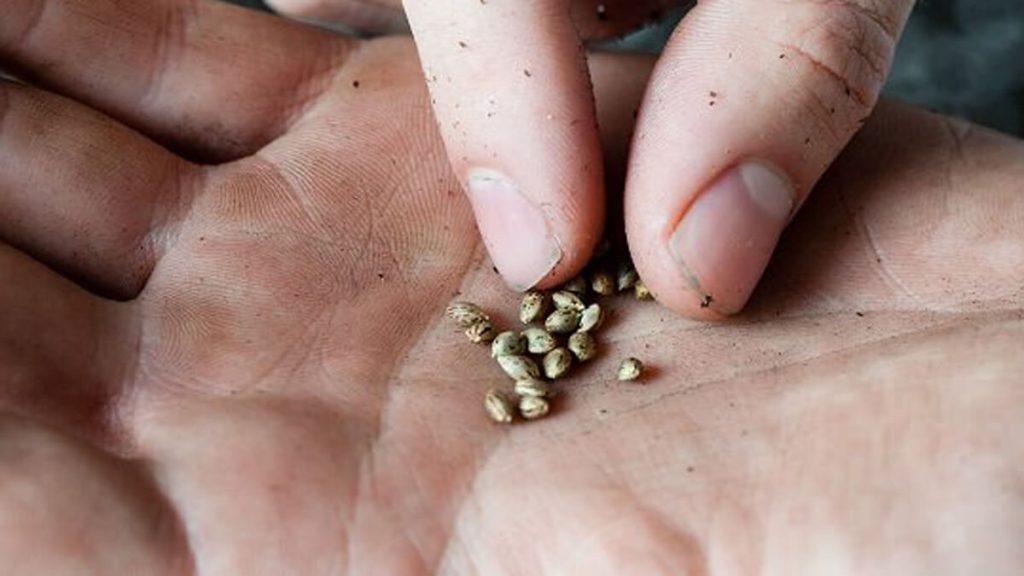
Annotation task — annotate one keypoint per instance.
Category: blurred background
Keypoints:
(960, 57)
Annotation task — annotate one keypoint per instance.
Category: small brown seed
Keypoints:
(562, 321)
(583, 346)
(630, 369)
(508, 344)
(533, 387)
(466, 314)
(565, 300)
(539, 341)
(498, 406)
(591, 318)
(531, 407)
(577, 285)
(481, 332)
(626, 277)
(557, 363)
(532, 307)
(641, 291)
(602, 283)
(519, 367)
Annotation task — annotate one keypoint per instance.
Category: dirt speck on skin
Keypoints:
(707, 301)
(527, 73)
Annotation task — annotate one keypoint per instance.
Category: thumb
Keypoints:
(514, 104)
(749, 104)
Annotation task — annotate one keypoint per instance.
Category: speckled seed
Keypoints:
(565, 300)
(591, 318)
(562, 321)
(533, 387)
(498, 406)
(481, 332)
(641, 291)
(583, 346)
(557, 363)
(519, 367)
(630, 369)
(465, 314)
(531, 407)
(602, 283)
(508, 344)
(577, 285)
(625, 277)
(539, 341)
(532, 307)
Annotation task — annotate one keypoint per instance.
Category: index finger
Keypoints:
(515, 106)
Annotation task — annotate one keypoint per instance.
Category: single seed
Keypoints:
(591, 318)
(626, 277)
(562, 321)
(557, 363)
(481, 332)
(466, 314)
(533, 408)
(539, 341)
(519, 367)
(630, 369)
(583, 346)
(641, 291)
(498, 406)
(565, 300)
(577, 285)
(533, 387)
(508, 344)
(602, 283)
(532, 307)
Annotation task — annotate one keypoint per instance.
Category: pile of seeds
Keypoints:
(560, 333)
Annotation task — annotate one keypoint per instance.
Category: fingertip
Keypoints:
(516, 231)
(707, 262)
(533, 242)
(514, 104)
(734, 134)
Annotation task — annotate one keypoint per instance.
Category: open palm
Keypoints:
(241, 367)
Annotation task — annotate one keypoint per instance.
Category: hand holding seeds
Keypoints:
(714, 164)
(251, 378)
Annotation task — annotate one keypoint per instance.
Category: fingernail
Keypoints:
(725, 240)
(515, 231)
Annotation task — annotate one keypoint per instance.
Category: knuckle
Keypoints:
(849, 43)
(19, 23)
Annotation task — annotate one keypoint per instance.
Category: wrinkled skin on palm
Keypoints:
(242, 367)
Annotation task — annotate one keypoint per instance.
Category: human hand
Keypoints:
(268, 388)
(749, 105)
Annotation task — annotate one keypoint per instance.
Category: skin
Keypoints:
(749, 104)
(240, 367)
